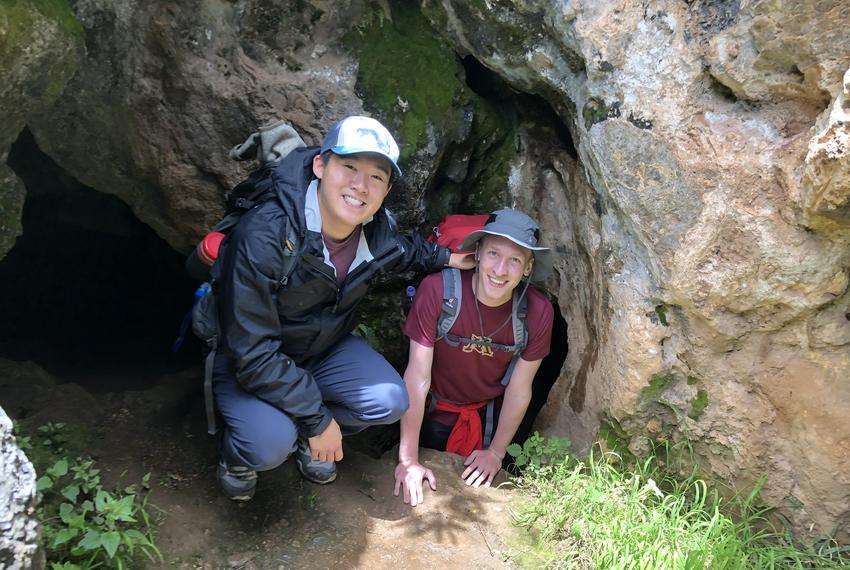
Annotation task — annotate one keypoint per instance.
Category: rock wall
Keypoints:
(19, 532)
(40, 45)
(704, 231)
(167, 90)
(687, 160)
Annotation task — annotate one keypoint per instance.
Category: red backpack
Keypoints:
(454, 228)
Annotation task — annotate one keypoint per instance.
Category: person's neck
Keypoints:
(334, 237)
(334, 229)
(476, 289)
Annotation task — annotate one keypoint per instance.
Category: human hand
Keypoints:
(327, 446)
(482, 467)
(462, 260)
(409, 476)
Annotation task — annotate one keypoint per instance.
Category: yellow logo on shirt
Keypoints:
(481, 349)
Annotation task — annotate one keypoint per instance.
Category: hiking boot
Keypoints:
(321, 472)
(237, 481)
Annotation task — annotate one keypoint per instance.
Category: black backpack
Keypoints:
(269, 145)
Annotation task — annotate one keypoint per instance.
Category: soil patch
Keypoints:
(352, 523)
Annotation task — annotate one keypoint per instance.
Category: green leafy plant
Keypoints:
(538, 451)
(84, 525)
(370, 335)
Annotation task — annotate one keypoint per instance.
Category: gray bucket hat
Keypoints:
(520, 229)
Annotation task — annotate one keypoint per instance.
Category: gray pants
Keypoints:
(358, 386)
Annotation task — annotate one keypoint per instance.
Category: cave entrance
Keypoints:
(89, 292)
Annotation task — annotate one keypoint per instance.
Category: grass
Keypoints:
(598, 514)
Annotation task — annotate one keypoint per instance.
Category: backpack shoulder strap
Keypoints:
(253, 190)
(452, 297)
(519, 320)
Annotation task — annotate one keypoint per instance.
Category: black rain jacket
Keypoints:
(267, 329)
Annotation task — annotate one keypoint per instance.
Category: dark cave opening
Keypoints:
(89, 291)
(473, 171)
(527, 106)
(535, 110)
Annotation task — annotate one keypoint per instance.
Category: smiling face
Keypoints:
(501, 266)
(351, 188)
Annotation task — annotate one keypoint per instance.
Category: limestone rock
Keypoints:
(781, 50)
(699, 303)
(40, 45)
(19, 531)
(826, 180)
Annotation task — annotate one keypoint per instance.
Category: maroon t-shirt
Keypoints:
(343, 253)
(471, 372)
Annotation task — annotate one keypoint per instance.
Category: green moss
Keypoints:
(657, 384)
(23, 28)
(408, 74)
(410, 77)
(488, 153)
(494, 137)
(698, 404)
(614, 438)
(596, 111)
(661, 312)
(19, 18)
(692, 380)
(11, 209)
(60, 12)
(436, 15)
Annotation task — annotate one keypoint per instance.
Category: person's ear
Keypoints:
(529, 267)
(318, 166)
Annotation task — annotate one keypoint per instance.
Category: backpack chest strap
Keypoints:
(450, 309)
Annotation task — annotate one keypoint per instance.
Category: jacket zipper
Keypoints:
(378, 261)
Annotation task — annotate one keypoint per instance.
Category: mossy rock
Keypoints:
(25, 23)
(698, 404)
(409, 76)
(12, 195)
(21, 17)
(40, 48)
(596, 111)
(658, 383)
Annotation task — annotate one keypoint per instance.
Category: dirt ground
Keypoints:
(352, 523)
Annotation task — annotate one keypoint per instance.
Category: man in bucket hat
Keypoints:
(477, 373)
(289, 378)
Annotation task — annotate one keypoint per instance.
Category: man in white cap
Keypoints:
(473, 371)
(289, 377)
